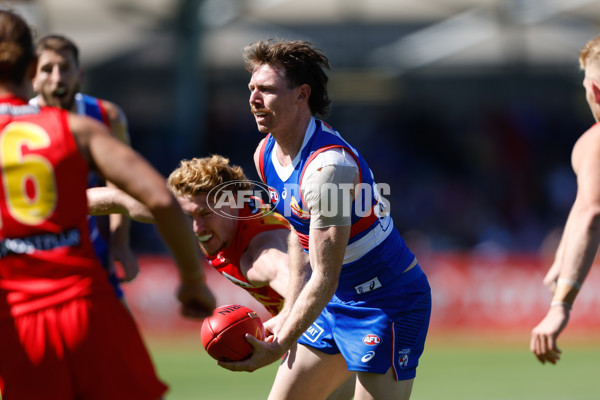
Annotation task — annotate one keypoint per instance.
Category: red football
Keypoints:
(223, 332)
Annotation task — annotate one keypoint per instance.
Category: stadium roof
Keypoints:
(404, 34)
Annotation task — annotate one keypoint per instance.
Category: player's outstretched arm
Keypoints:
(581, 239)
(106, 200)
(298, 277)
(265, 261)
(554, 271)
(120, 249)
(327, 246)
(124, 167)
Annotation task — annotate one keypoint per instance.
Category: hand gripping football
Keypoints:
(223, 332)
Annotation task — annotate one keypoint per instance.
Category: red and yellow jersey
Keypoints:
(45, 253)
(228, 261)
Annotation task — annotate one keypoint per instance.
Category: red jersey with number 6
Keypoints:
(45, 253)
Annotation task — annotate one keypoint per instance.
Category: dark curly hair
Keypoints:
(302, 63)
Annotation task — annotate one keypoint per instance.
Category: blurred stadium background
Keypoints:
(468, 109)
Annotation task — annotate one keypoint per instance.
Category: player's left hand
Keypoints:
(273, 325)
(197, 301)
(263, 353)
(544, 335)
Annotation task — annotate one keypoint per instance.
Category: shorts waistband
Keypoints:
(365, 283)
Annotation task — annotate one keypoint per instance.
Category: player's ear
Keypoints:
(304, 92)
(596, 90)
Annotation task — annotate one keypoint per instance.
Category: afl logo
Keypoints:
(273, 195)
(228, 198)
(371, 340)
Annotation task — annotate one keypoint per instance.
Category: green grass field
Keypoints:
(464, 368)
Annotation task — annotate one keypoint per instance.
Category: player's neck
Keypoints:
(289, 141)
(10, 89)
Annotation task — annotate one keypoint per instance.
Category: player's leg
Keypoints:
(308, 374)
(383, 337)
(370, 386)
(345, 391)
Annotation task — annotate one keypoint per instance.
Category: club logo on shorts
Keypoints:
(313, 333)
(371, 340)
(403, 360)
(368, 286)
(367, 357)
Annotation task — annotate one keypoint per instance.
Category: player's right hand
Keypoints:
(543, 337)
(263, 353)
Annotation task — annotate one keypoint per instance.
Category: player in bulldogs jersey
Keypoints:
(246, 243)
(57, 82)
(367, 304)
(63, 333)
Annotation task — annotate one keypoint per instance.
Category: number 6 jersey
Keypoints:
(45, 253)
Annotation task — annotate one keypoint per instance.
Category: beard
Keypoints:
(66, 101)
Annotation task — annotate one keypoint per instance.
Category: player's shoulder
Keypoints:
(113, 111)
(595, 128)
(258, 153)
(265, 240)
(591, 137)
(586, 147)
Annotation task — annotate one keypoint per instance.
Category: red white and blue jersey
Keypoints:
(371, 224)
(379, 315)
(99, 225)
(92, 107)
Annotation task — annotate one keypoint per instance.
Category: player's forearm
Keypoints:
(560, 249)
(581, 239)
(101, 202)
(299, 271)
(554, 271)
(177, 233)
(119, 229)
(308, 305)
(327, 248)
(110, 200)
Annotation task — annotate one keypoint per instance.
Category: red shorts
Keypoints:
(88, 348)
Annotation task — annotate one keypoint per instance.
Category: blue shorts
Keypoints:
(379, 329)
